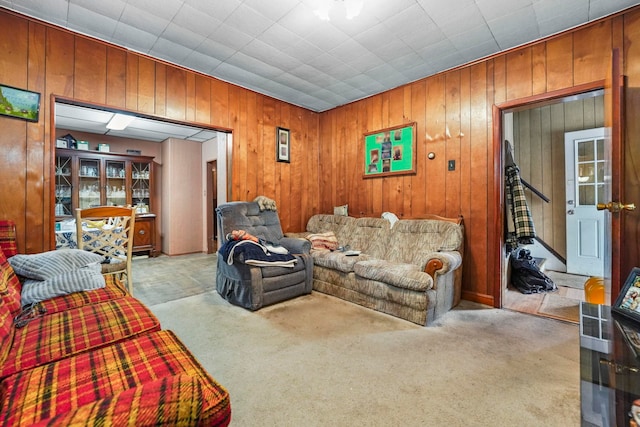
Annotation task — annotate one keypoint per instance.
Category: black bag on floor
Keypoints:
(526, 275)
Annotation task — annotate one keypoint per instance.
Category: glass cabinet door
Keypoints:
(63, 206)
(89, 183)
(116, 189)
(140, 185)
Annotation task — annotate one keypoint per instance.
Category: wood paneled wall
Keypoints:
(461, 102)
(53, 61)
(538, 141)
(326, 152)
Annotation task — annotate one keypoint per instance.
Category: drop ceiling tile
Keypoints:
(200, 62)
(325, 36)
(365, 83)
(169, 51)
(215, 49)
(230, 36)
(218, 9)
(296, 83)
(452, 11)
(301, 50)
(165, 9)
(312, 75)
(373, 37)
(248, 21)
(277, 35)
(182, 36)
(89, 22)
(299, 20)
(393, 49)
(111, 9)
(274, 10)
(270, 55)
(194, 20)
(54, 11)
(133, 38)
(495, 9)
(141, 20)
(246, 62)
(356, 55)
(515, 29)
(409, 20)
(480, 34)
(600, 8)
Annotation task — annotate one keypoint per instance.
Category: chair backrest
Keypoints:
(108, 231)
(248, 216)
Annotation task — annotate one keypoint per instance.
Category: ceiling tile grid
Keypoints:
(282, 49)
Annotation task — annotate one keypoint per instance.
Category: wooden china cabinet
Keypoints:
(86, 179)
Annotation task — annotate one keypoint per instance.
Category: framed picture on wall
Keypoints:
(390, 151)
(283, 145)
(628, 302)
(19, 103)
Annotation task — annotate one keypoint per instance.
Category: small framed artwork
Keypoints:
(283, 145)
(390, 151)
(19, 103)
(628, 302)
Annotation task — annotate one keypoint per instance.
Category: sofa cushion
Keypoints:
(401, 275)
(86, 278)
(55, 336)
(336, 260)
(9, 286)
(45, 265)
(51, 390)
(113, 289)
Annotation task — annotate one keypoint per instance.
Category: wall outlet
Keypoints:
(452, 165)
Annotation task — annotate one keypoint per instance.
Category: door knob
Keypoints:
(616, 206)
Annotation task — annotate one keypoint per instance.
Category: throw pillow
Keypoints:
(46, 265)
(323, 241)
(341, 210)
(82, 279)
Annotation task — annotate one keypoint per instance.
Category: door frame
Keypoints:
(496, 233)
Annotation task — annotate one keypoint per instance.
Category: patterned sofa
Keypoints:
(411, 269)
(97, 357)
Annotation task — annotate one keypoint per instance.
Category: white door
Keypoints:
(585, 188)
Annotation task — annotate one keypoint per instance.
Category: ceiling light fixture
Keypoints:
(120, 121)
(352, 8)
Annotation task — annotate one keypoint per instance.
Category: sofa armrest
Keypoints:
(442, 263)
(296, 245)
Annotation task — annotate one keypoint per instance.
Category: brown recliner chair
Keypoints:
(254, 286)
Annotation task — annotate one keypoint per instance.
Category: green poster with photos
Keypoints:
(390, 151)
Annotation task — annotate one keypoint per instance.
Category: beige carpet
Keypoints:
(319, 361)
(560, 307)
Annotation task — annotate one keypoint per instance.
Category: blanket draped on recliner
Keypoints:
(254, 253)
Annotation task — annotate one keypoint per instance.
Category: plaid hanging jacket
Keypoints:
(523, 231)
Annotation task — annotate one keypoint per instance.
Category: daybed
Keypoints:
(411, 269)
(97, 357)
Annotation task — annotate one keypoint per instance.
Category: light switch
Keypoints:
(452, 165)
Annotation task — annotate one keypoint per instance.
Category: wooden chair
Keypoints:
(108, 231)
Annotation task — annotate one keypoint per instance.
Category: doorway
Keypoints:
(537, 132)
